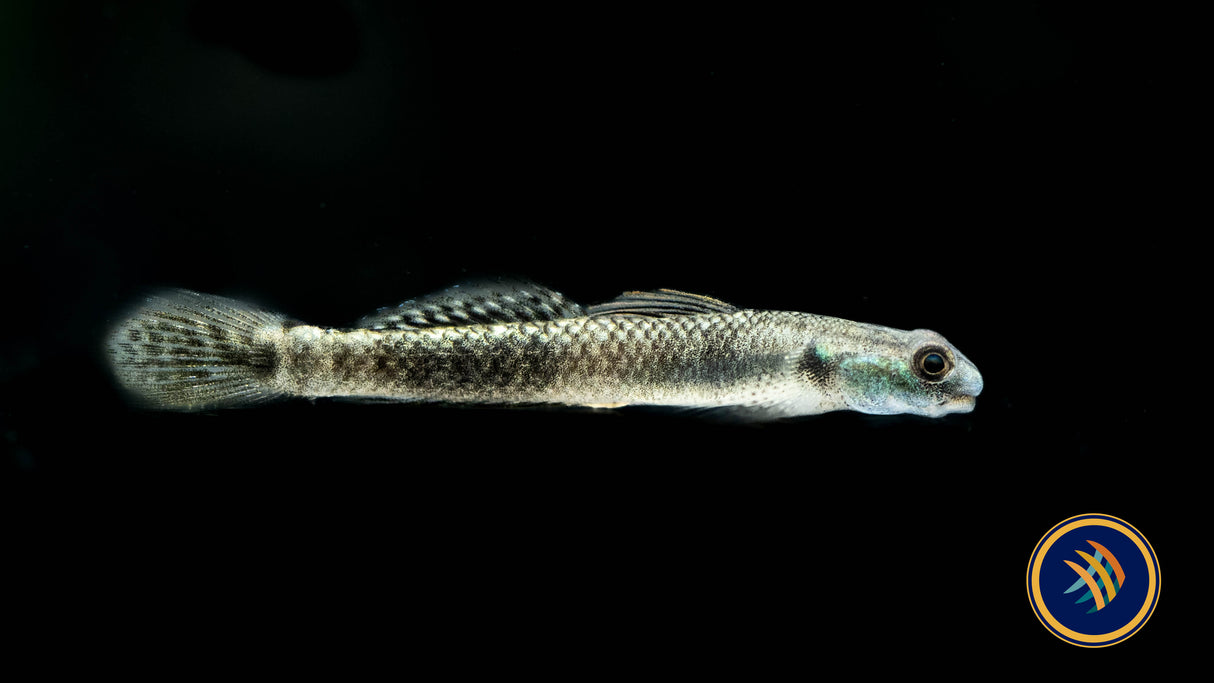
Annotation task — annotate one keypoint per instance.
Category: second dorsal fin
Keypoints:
(661, 302)
(506, 301)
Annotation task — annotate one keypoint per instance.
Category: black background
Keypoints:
(1006, 175)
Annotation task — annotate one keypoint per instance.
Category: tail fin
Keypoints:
(181, 350)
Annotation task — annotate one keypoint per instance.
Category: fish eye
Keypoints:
(933, 363)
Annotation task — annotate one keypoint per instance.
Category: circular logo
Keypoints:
(1093, 580)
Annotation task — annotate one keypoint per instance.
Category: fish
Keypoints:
(519, 343)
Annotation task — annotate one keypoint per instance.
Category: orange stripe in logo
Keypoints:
(1112, 561)
(1091, 582)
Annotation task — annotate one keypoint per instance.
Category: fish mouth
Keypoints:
(959, 404)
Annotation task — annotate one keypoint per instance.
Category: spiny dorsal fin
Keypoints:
(506, 301)
(661, 302)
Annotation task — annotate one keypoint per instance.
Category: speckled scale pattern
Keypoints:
(688, 360)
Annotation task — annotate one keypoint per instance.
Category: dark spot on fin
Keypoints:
(478, 303)
(815, 367)
(661, 302)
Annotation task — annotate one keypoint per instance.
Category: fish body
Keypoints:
(511, 343)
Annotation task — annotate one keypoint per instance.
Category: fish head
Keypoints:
(917, 372)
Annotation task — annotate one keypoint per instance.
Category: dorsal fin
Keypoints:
(506, 301)
(661, 302)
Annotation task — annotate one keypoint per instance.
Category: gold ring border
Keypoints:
(1033, 580)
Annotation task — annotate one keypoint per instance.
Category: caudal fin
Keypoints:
(182, 350)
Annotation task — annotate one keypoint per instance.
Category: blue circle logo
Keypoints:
(1093, 580)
